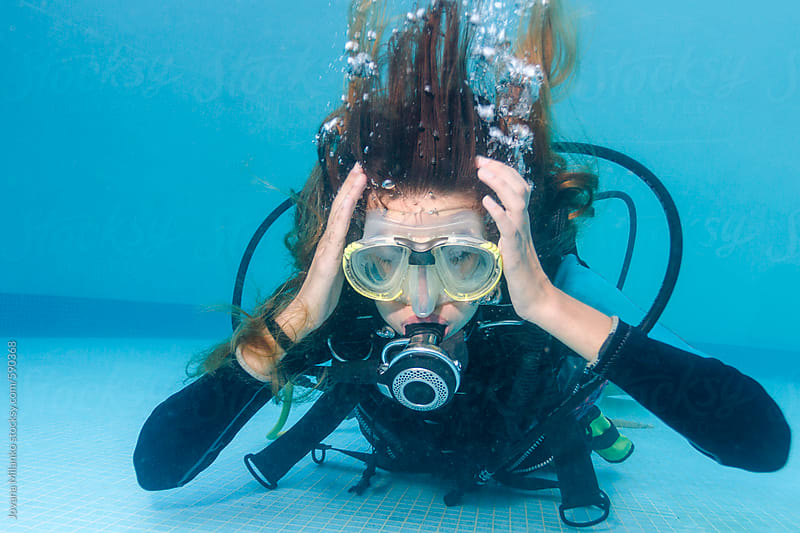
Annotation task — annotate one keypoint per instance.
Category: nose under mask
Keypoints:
(423, 288)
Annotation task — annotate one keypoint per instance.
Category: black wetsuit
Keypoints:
(723, 413)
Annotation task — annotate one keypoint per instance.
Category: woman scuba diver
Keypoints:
(425, 245)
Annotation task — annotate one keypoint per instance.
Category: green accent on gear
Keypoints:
(620, 450)
(617, 452)
(286, 398)
(599, 425)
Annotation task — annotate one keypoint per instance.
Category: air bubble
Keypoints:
(497, 76)
(488, 52)
(486, 112)
(518, 88)
(331, 125)
(386, 332)
(361, 66)
(387, 184)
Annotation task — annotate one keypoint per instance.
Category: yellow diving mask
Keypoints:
(420, 262)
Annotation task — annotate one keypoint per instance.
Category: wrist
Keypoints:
(293, 323)
(280, 333)
(543, 304)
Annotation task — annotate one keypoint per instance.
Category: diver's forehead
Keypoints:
(424, 216)
(423, 209)
(425, 225)
(422, 219)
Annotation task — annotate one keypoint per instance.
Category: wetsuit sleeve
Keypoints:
(724, 413)
(186, 432)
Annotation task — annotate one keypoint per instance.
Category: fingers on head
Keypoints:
(506, 182)
(355, 171)
(493, 165)
(351, 189)
(498, 214)
(344, 204)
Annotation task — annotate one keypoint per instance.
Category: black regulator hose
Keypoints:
(670, 210)
(244, 264)
(632, 229)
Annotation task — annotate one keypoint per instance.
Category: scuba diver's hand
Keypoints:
(527, 282)
(582, 328)
(320, 292)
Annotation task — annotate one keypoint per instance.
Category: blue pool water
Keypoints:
(143, 143)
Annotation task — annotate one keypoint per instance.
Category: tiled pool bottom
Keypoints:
(82, 403)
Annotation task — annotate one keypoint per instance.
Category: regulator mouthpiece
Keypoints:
(416, 371)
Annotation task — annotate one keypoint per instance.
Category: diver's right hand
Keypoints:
(320, 292)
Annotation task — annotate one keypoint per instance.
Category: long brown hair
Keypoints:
(409, 117)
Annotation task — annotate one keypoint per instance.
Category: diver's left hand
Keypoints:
(528, 285)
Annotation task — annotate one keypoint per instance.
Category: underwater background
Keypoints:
(144, 142)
